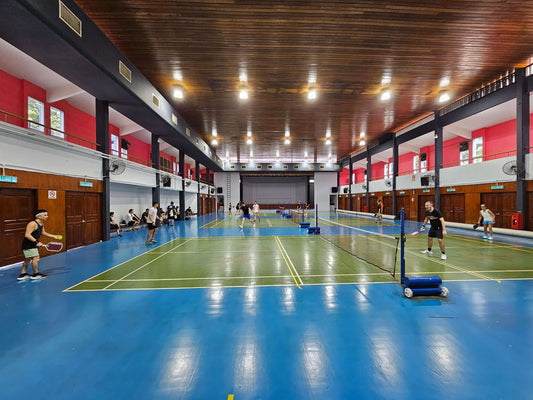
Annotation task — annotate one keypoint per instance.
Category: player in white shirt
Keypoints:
(488, 220)
(255, 210)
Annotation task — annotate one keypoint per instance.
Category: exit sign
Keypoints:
(450, 190)
(426, 191)
(8, 178)
(86, 184)
(497, 187)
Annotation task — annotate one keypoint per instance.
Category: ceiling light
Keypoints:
(249, 141)
(178, 92)
(444, 82)
(214, 142)
(214, 132)
(287, 133)
(312, 94)
(243, 94)
(385, 80)
(287, 141)
(328, 141)
(328, 133)
(362, 143)
(362, 135)
(385, 94)
(178, 76)
(243, 77)
(249, 133)
(444, 97)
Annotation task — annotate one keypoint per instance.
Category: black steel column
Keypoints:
(368, 178)
(522, 143)
(438, 158)
(350, 181)
(102, 138)
(182, 192)
(394, 173)
(156, 191)
(208, 173)
(197, 178)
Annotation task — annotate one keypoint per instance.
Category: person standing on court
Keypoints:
(151, 221)
(379, 212)
(245, 214)
(437, 229)
(255, 210)
(31, 244)
(488, 220)
(230, 213)
(171, 212)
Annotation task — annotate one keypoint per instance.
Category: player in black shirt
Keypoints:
(245, 214)
(437, 229)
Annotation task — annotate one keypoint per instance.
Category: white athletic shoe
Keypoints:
(485, 237)
(428, 252)
(490, 238)
(443, 257)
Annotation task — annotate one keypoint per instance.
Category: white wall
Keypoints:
(484, 172)
(124, 197)
(324, 181)
(221, 180)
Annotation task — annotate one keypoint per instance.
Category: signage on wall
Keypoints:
(402, 192)
(426, 191)
(387, 192)
(8, 179)
(52, 194)
(86, 184)
(450, 190)
(496, 187)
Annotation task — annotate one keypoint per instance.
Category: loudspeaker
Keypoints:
(220, 190)
(345, 190)
(423, 157)
(124, 144)
(166, 181)
(334, 189)
(424, 180)
(463, 146)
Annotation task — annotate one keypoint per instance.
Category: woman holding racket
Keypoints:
(30, 245)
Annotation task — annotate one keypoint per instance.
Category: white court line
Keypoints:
(217, 221)
(288, 258)
(149, 262)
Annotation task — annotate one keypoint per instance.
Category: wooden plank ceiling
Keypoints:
(350, 51)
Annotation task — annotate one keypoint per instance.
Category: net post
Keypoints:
(402, 247)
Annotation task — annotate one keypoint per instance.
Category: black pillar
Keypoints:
(208, 173)
(438, 158)
(368, 178)
(182, 192)
(156, 191)
(102, 138)
(350, 181)
(522, 143)
(394, 173)
(197, 178)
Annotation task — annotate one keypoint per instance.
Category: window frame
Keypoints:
(32, 124)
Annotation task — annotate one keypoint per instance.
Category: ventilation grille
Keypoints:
(69, 18)
(188, 131)
(124, 71)
(155, 100)
(259, 167)
(174, 119)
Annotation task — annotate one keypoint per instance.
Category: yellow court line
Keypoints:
(230, 397)
(288, 266)
(144, 265)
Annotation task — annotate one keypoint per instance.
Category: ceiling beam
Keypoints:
(63, 92)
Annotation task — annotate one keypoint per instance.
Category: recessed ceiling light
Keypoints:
(444, 82)
(243, 94)
(243, 77)
(178, 93)
(385, 94)
(249, 133)
(362, 143)
(178, 76)
(214, 132)
(287, 141)
(287, 133)
(311, 95)
(386, 80)
(249, 141)
(328, 142)
(362, 135)
(444, 97)
(214, 142)
(328, 133)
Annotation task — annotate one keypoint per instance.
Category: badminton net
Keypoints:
(376, 249)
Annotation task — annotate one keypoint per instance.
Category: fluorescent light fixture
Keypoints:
(386, 80)
(249, 133)
(249, 141)
(243, 77)
(362, 143)
(312, 94)
(178, 93)
(328, 142)
(214, 142)
(277, 153)
(362, 135)
(178, 76)
(444, 81)
(214, 132)
(287, 133)
(444, 97)
(311, 181)
(243, 94)
(287, 141)
(328, 133)
(385, 94)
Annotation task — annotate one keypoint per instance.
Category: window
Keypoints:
(35, 114)
(477, 150)
(175, 167)
(386, 171)
(463, 157)
(114, 145)
(416, 163)
(391, 169)
(124, 153)
(57, 122)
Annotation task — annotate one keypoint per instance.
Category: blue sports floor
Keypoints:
(323, 341)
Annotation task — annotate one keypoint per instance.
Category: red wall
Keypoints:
(344, 177)
(11, 98)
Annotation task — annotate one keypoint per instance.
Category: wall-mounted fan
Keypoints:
(388, 182)
(117, 167)
(202, 187)
(509, 168)
(166, 180)
(188, 183)
(364, 186)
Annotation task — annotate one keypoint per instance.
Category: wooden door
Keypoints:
(405, 202)
(83, 213)
(422, 199)
(503, 205)
(18, 207)
(452, 207)
(387, 205)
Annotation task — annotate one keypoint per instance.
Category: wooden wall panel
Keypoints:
(56, 213)
(34, 180)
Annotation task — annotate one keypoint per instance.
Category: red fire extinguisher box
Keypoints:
(517, 221)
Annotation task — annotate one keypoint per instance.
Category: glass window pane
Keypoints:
(57, 123)
(35, 114)
(114, 145)
(463, 156)
(415, 164)
(477, 149)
